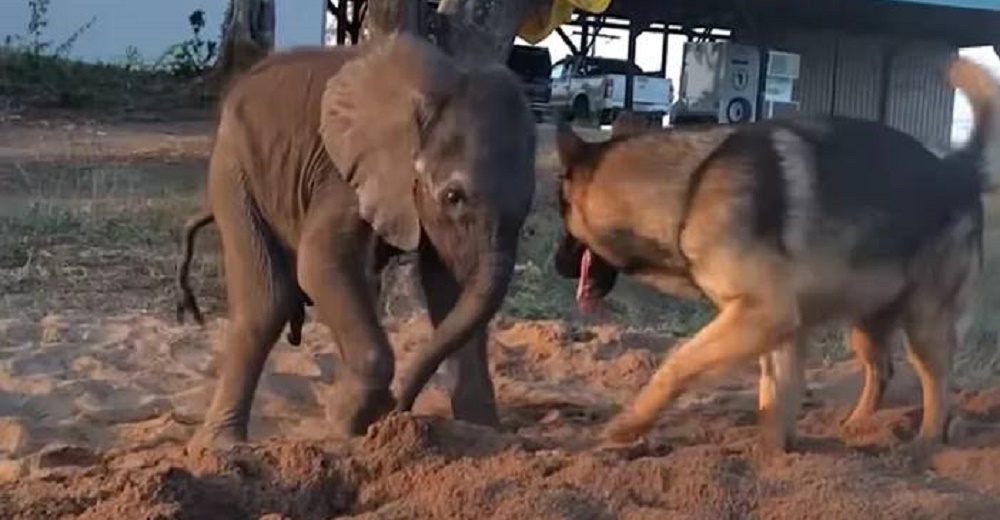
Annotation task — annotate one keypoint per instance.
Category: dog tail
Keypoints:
(983, 92)
(186, 301)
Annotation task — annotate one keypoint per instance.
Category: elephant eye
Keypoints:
(454, 196)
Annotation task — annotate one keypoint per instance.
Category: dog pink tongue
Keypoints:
(583, 300)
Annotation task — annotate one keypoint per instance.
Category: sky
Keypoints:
(150, 27)
(648, 57)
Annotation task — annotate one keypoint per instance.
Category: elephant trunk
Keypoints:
(479, 300)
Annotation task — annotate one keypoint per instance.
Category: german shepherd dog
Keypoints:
(787, 225)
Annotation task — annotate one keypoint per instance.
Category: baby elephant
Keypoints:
(327, 162)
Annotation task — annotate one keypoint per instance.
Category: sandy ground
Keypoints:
(97, 398)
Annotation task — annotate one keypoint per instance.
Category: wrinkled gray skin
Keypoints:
(329, 161)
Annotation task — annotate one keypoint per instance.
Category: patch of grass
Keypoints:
(79, 243)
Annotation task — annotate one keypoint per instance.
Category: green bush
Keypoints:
(37, 72)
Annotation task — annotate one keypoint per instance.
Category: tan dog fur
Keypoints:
(677, 208)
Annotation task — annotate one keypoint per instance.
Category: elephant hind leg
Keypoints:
(261, 297)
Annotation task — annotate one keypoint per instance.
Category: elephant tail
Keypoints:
(186, 301)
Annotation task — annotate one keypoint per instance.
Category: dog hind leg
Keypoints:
(872, 340)
(937, 320)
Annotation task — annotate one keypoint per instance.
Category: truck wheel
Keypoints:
(581, 110)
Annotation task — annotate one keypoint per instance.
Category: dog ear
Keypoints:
(572, 149)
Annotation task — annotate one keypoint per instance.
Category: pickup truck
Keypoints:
(592, 89)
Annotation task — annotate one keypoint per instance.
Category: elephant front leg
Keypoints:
(472, 396)
(334, 275)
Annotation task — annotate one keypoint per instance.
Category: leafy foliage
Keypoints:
(194, 56)
(32, 42)
(38, 72)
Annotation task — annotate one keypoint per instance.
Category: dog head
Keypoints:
(574, 259)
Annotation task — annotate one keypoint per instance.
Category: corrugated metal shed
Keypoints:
(814, 88)
(858, 76)
(990, 5)
(843, 74)
(920, 102)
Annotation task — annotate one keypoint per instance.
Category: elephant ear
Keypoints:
(373, 112)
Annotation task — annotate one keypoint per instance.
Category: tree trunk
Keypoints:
(247, 36)
(478, 31)
(474, 31)
(385, 16)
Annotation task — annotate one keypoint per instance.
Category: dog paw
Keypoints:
(625, 429)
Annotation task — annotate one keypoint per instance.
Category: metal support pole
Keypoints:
(355, 27)
(630, 73)
(568, 41)
(664, 51)
(884, 81)
(762, 49)
(340, 11)
(592, 44)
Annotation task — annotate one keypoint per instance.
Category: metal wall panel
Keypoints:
(858, 76)
(839, 74)
(842, 74)
(920, 102)
(814, 88)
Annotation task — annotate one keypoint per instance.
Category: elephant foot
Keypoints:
(353, 407)
(208, 439)
(482, 415)
(476, 407)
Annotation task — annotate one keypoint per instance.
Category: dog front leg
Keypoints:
(744, 329)
(780, 394)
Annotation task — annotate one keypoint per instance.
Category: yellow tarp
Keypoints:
(547, 15)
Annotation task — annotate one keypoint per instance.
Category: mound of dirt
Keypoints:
(429, 467)
(557, 385)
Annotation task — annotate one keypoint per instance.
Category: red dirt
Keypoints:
(702, 461)
(556, 388)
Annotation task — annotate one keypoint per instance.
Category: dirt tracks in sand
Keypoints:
(557, 388)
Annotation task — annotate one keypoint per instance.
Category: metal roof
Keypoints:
(958, 22)
(989, 5)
